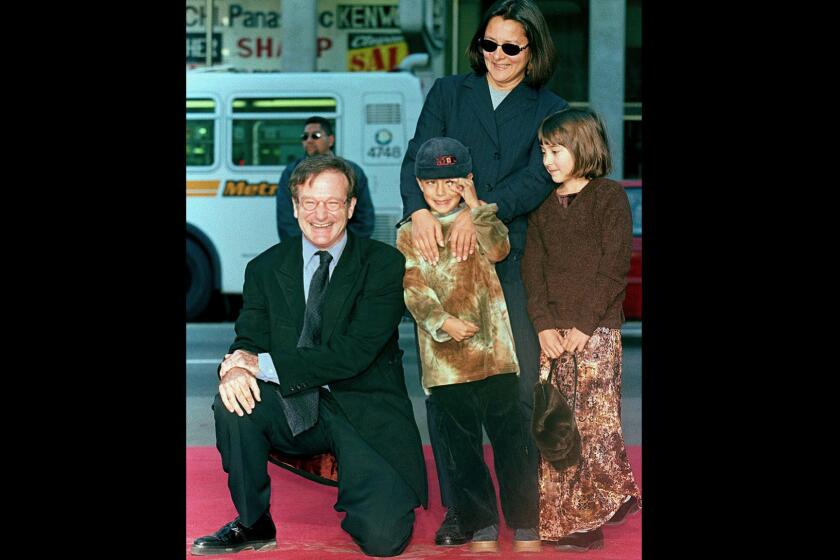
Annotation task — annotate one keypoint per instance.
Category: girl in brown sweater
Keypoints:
(576, 259)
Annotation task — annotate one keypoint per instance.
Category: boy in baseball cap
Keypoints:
(469, 364)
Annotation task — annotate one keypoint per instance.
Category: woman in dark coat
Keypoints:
(495, 111)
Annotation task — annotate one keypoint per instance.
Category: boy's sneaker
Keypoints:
(627, 509)
(581, 542)
(526, 540)
(486, 539)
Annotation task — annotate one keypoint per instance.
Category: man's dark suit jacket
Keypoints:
(359, 356)
(506, 157)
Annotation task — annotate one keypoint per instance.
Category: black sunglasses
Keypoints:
(315, 136)
(508, 48)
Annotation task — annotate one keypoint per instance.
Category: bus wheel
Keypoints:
(199, 280)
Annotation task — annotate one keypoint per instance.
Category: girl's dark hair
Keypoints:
(583, 133)
(540, 45)
(315, 165)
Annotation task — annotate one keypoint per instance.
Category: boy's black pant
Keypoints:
(494, 403)
(527, 354)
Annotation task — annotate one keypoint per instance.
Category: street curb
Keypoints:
(631, 329)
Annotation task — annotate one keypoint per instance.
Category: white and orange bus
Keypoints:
(243, 128)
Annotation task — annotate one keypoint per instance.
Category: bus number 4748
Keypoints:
(384, 151)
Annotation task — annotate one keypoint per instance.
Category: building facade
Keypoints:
(599, 45)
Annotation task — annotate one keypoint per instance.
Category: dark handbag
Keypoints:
(553, 425)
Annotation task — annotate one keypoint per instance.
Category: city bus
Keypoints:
(243, 128)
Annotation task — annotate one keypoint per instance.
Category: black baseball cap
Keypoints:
(442, 158)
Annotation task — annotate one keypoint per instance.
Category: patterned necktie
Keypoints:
(302, 408)
(311, 334)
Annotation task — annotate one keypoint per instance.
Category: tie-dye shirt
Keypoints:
(468, 290)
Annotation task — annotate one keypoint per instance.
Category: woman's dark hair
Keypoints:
(540, 45)
(583, 133)
(315, 165)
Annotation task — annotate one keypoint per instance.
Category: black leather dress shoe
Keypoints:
(627, 509)
(450, 533)
(235, 536)
(581, 542)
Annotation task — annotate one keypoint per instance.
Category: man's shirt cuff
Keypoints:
(267, 371)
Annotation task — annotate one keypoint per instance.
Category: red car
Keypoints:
(633, 298)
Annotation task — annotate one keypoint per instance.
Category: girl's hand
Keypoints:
(551, 343)
(575, 340)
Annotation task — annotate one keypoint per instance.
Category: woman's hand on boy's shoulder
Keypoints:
(463, 238)
(426, 235)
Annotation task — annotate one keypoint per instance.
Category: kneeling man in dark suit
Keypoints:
(314, 378)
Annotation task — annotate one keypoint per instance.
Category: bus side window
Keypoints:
(272, 142)
(266, 131)
(201, 132)
(200, 142)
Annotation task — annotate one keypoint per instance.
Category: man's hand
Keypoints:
(236, 390)
(551, 343)
(426, 235)
(575, 340)
(242, 359)
(459, 329)
(463, 238)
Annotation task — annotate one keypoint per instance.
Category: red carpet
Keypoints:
(308, 527)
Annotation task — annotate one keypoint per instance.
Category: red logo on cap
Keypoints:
(445, 160)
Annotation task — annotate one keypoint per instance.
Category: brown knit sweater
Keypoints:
(577, 258)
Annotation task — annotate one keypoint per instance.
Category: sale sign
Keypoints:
(375, 52)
